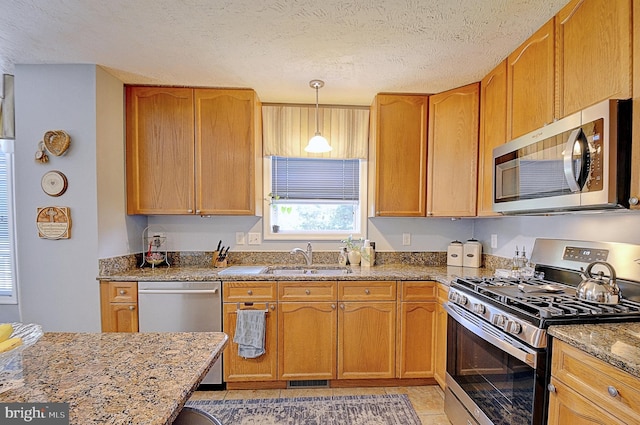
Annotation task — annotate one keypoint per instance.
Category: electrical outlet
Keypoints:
(406, 239)
(240, 239)
(254, 238)
(494, 241)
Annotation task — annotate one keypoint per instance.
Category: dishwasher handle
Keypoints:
(178, 291)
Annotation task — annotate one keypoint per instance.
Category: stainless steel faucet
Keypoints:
(308, 254)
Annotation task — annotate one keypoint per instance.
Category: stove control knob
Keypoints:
(462, 300)
(479, 308)
(513, 327)
(498, 320)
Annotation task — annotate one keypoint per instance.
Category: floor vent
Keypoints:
(311, 383)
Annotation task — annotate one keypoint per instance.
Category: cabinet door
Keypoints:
(160, 150)
(416, 336)
(594, 53)
(307, 340)
(440, 344)
(530, 78)
(493, 132)
(124, 317)
(568, 407)
(398, 156)
(263, 368)
(226, 151)
(119, 306)
(453, 152)
(366, 340)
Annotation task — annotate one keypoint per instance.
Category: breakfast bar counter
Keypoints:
(117, 378)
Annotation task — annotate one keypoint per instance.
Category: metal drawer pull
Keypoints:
(122, 292)
(551, 388)
(613, 392)
(132, 307)
(308, 292)
(250, 292)
(366, 291)
(333, 306)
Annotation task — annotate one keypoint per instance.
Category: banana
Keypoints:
(6, 329)
(10, 344)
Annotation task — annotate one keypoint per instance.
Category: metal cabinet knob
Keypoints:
(250, 292)
(633, 200)
(122, 292)
(189, 211)
(366, 291)
(132, 307)
(613, 392)
(333, 306)
(551, 388)
(273, 307)
(342, 306)
(197, 211)
(308, 292)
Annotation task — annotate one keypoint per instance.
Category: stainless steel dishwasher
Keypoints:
(182, 307)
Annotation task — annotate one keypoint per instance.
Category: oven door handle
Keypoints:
(521, 352)
(574, 181)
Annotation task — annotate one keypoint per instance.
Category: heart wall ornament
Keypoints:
(57, 142)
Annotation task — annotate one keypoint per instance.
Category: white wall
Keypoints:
(621, 226)
(57, 278)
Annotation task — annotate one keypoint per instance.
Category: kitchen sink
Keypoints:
(308, 271)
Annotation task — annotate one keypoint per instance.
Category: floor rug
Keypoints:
(338, 410)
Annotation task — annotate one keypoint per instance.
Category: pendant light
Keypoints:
(317, 144)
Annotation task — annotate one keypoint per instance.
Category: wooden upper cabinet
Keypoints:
(192, 151)
(593, 53)
(493, 132)
(453, 152)
(160, 150)
(398, 152)
(530, 83)
(227, 145)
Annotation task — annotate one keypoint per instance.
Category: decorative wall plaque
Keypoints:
(54, 222)
(54, 183)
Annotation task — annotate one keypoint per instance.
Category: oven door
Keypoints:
(491, 378)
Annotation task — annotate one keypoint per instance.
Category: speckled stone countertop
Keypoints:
(615, 343)
(117, 378)
(441, 274)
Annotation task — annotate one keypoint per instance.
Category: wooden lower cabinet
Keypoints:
(119, 306)
(307, 340)
(239, 369)
(307, 330)
(257, 296)
(440, 340)
(366, 340)
(416, 329)
(586, 390)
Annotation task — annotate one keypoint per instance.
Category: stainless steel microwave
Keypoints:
(581, 162)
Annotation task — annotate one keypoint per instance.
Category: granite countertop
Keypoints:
(117, 378)
(615, 343)
(442, 274)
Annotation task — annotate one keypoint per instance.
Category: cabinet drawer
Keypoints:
(307, 291)
(249, 291)
(384, 290)
(418, 291)
(123, 292)
(597, 380)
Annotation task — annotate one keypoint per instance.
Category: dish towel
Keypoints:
(250, 333)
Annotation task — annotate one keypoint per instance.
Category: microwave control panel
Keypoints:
(593, 132)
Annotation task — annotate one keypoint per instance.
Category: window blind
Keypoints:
(315, 178)
(6, 263)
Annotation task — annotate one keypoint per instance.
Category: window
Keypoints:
(312, 197)
(7, 246)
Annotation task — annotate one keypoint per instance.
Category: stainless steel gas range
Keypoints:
(498, 351)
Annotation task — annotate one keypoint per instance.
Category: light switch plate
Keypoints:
(254, 238)
(406, 239)
(494, 241)
(240, 239)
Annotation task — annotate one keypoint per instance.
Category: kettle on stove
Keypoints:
(599, 289)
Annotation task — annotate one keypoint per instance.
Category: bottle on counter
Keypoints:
(368, 254)
(342, 256)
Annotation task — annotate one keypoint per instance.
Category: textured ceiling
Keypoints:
(358, 47)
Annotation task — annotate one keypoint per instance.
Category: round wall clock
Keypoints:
(54, 183)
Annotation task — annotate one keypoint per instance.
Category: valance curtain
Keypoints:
(287, 129)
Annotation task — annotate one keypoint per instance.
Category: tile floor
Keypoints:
(428, 401)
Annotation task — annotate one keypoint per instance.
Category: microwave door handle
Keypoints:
(572, 179)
